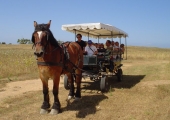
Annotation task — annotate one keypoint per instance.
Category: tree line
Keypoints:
(24, 41)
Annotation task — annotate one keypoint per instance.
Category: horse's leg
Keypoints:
(78, 83)
(46, 105)
(71, 84)
(56, 108)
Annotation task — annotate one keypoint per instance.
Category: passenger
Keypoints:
(109, 48)
(109, 55)
(81, 42)
(97, 45)
(93, 44)
(122, 48)
(102, 46)
(86, 43)
(90, 49)
(113, 43)
(116, 46)
(101, 49)
(109, 45)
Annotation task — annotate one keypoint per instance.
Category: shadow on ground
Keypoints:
(128, 82)
(87, 105)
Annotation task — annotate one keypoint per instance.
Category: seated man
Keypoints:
(116, 46)
(109, 45)
(96, 45)
(113, 43)
(122, 48)
(101, 50)
(102, 46)
(108, 55)
(109, 48)
(90, 49)
(115, 50)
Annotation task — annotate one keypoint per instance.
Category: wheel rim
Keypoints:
(66, 85)
(104, 84)
(120, 75)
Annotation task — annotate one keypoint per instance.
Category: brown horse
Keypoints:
(53, 60)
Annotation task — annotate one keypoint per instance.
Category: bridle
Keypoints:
(43, 28)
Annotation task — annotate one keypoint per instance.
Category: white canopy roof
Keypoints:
(95, 30)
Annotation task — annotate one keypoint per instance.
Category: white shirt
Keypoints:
(115, 47)
(91, 51)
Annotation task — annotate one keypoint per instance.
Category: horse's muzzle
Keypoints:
(38, 54)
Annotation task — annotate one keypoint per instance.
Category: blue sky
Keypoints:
(146, 21)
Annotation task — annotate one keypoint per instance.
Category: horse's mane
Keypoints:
(52, 40)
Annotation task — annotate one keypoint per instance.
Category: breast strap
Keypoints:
(50, 64)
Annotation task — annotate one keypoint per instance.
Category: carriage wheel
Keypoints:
(91, 78)
(66, 83)
(120, 75)
(104, 84)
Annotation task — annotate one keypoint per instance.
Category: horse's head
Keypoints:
(40, 38)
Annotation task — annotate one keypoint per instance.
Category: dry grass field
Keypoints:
(144, 93)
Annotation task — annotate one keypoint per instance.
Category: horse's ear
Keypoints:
(48, 24)
(35, 23)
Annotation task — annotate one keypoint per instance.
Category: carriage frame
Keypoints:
(98, 31)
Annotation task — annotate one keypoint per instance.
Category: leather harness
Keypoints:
(63, 62)
(63, 49)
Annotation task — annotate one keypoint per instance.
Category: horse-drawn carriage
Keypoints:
(53, 60)
(97, 67)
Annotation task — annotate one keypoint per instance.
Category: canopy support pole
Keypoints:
(98, 39)
(112, 47)
(126, 47)
(75, 34)
(119, 46)
(112, 36)
(120, 39)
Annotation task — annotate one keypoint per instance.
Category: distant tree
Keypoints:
(29, 42)
(3, 42)
(24, 41)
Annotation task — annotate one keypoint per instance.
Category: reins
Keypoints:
(61, 64)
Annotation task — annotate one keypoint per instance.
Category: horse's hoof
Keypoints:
(69, 98)
(77, 99)
(43, 111)
(54, 112)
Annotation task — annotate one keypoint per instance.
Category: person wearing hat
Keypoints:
(90, 49)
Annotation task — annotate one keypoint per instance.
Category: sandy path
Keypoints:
(20, 87)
